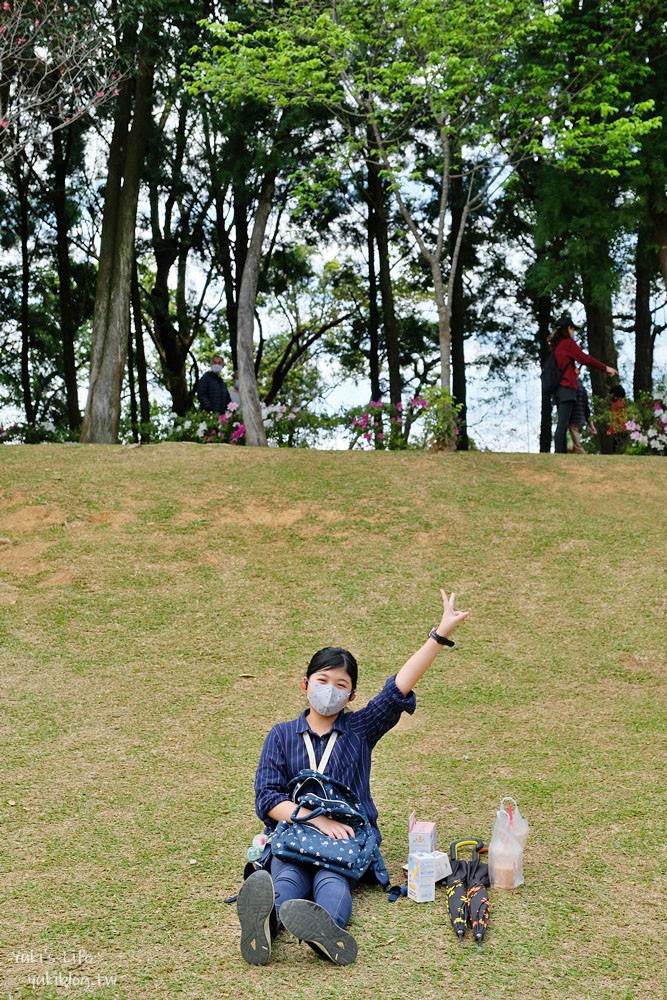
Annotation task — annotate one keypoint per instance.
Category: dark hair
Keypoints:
(331, 657)
(560, 333)
(617, 392)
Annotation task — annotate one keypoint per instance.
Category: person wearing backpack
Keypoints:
(566, 354)
(311, 902)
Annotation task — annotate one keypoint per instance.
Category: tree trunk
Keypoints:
(140, 356)
(644, 270)
(444, 325)
(134, 416)
(457, 319)
(543, 307)
(24, 311)
(599, 326)
(373, 312)
(660, 223)
(170, 344)
(59, 197)
(255, 434)
(373, 323)
(377, 195)
(112, 298)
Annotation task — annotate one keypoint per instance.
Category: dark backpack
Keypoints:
(551, 374)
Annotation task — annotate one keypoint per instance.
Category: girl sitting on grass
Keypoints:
(313, 903)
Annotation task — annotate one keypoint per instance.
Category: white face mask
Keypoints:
(327, 699)
(216, 368)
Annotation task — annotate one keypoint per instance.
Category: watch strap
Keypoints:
(443, 640)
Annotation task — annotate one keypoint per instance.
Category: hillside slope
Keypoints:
(158, 606)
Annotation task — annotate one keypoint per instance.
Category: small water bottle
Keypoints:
(256, 849)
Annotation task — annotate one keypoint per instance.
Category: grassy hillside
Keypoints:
(158, 606)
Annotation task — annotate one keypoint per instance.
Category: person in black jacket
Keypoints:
(212, 392)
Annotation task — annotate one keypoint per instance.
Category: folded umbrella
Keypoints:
(456, 886)
(457, 896)
(479, 907)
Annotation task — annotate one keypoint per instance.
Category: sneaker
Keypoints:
(311, 923)
(254, 907)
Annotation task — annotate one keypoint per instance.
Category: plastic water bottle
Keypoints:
(256, 849)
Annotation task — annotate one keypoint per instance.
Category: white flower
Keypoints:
(201, 430)
(187, 425)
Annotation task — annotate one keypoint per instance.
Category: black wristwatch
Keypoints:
(443, 640)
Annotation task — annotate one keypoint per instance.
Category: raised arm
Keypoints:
(419, 662)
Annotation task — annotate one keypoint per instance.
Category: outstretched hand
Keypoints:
(450, 616)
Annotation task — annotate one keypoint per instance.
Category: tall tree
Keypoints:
(391, 64)
(111, 318)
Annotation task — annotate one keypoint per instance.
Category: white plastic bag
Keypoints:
(518, 825)
(505, 854)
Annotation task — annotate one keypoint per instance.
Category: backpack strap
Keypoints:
(324, 759)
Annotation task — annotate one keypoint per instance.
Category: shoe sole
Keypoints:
(253, 907)
(311, 923)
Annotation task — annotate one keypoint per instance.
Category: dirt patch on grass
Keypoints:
(276, 517)
(32, 518)
(24, 559)
(8, 594)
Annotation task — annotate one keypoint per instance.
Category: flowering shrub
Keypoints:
(228, 427)
(382, 422)
(648, 424)
(45, 432)
(10, 434)
(442, 418)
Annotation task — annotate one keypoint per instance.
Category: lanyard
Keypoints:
(324, 759)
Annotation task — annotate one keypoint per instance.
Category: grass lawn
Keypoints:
(158, 606)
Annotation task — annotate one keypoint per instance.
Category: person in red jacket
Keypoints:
(568, 354)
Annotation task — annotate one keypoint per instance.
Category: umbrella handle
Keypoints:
(476, 844)
(477, 851)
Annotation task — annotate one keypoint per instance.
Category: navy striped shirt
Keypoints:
(284, 752)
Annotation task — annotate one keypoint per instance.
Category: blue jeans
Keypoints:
(295, 881)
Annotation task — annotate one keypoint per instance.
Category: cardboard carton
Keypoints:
(442, 866)
(421, 877)
(421, 835)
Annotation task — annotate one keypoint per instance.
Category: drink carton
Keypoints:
(442, 865)
(421, 835)
(421, 877)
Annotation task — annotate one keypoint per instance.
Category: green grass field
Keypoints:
(158, 606)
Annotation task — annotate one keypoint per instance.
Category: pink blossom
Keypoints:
(3, 123)
(368, 435)
(376, 402)
(232, 407)
(100, 93)
(37, 22)
(6, 6)
(238, 433)
(380, 437)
